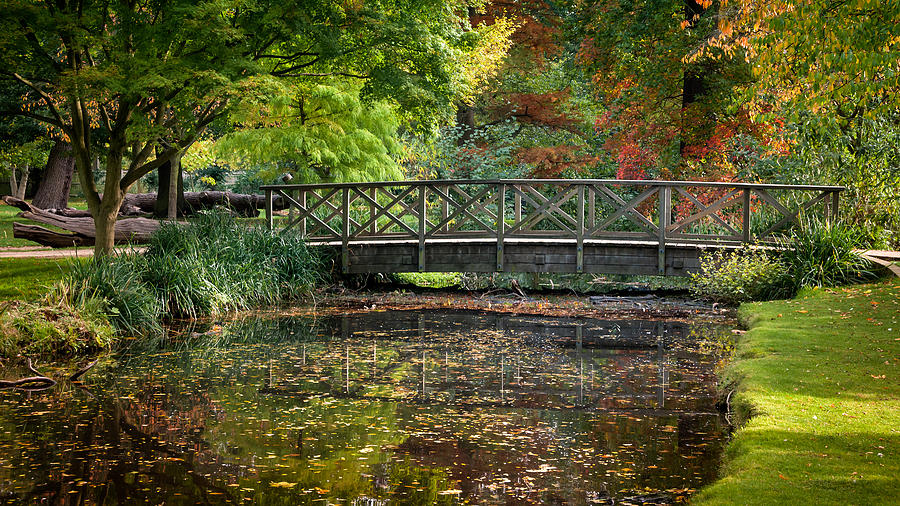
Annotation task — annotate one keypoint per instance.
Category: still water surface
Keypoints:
(398, 407)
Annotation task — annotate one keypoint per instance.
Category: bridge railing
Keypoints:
(579, 210)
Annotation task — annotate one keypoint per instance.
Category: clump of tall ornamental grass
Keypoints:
(820, 254)
(209, 266)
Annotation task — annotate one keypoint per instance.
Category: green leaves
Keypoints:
(325, 132)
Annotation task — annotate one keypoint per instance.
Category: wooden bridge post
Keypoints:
(290, 193)
(269, 206)
(745, 219)
(501, 223)
(423, 190)
(835, 200)
(445, 211)
(345, 230)
(302, 197)
(373, 229)
(579, 232)
(517, 205)
(665, 217)
(592, 208)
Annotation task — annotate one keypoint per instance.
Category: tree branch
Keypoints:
(47, 99)
(323, 74)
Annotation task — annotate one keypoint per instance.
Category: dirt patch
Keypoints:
(39, 252)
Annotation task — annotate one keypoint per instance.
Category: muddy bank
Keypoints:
(644, 306)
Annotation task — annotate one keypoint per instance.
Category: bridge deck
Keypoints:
(522, 255)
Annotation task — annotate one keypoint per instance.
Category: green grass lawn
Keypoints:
(28, 278)
(819, 378)
(7, 217)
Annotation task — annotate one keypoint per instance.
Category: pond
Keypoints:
(392, 407)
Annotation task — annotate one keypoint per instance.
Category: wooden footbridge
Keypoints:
(563, 226)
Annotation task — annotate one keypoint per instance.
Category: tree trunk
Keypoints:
(465, 121)
(53, 190)
(693, 84)
(176, 187)
(17, 186)
(105, 208)
(23, 183)
(161, 206)
(46, 237)
(105, 225)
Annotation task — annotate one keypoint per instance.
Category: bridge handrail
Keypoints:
(706, 212)
(622, 182)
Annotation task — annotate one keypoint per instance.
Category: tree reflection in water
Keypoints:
(399, 407)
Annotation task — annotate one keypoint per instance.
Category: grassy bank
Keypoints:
(210, 266)
(818, 399)
(36, 320)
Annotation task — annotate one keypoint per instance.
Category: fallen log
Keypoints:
(47, 237)
(128, 230)
(245, 205)
(83, 370)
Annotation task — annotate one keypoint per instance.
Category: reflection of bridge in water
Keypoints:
(602, 226)
(502, 360)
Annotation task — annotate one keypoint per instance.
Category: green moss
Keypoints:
(818, 401)
(429, 279)
(53, 327)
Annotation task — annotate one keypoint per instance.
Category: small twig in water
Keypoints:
(83, 370)
(728, 407)
(34, 383)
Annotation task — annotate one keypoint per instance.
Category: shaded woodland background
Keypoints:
(784, 91)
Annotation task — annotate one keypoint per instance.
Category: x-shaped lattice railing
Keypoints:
(579, 210)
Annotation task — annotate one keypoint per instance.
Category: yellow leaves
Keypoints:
(282, 484)
(483, 61)
(726, 27)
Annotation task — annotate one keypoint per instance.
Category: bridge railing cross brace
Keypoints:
(577, 212)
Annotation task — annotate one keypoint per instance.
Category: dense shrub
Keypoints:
(815, 254)
(212, 265)
(734, 276)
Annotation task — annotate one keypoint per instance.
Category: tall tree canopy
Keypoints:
(811, 55)
(148, 78)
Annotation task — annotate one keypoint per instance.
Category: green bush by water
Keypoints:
(740, 275)
(815, 254)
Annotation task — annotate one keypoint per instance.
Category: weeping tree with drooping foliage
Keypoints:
(323, 132)
(150, 78)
